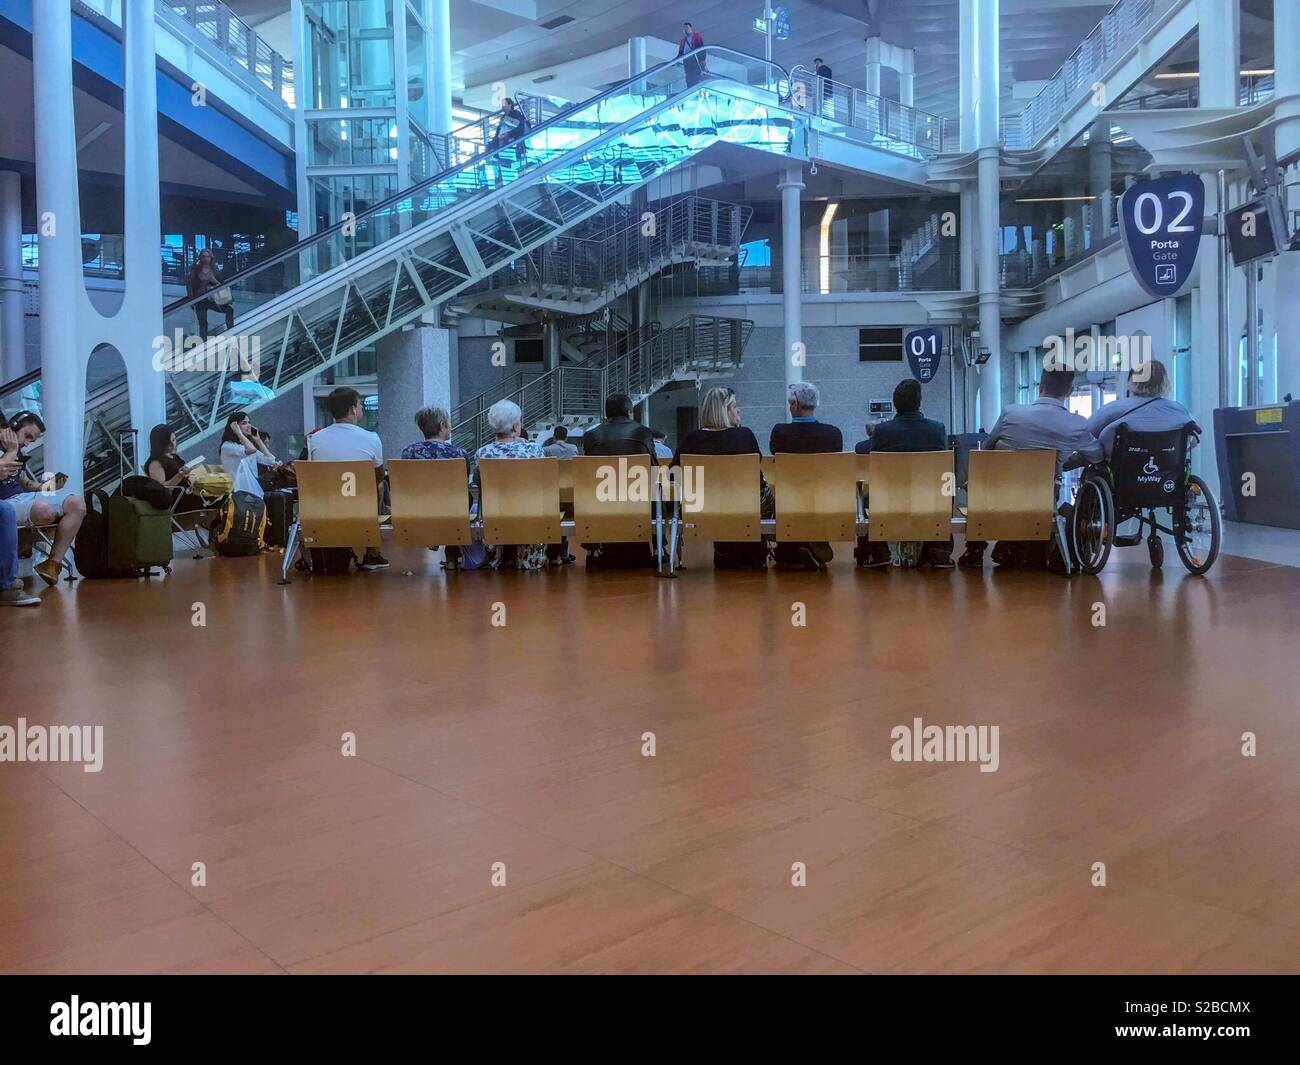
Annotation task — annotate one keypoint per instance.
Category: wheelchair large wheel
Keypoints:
(1092, 529)
(1198, 530)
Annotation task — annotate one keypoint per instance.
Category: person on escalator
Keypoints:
(205, 278)
(690, 42)
(512, 127)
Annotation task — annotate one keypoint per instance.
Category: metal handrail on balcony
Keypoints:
(1117, 32)
(879, 116)
(227, 32)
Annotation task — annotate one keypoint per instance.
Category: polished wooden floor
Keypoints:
(522, 744)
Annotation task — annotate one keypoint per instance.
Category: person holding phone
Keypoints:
(45, 502)
(242, 439)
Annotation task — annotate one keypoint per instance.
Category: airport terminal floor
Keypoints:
(508, 810)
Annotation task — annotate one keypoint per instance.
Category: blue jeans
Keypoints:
(8, 544)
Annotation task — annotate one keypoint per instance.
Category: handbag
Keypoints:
(221, 297)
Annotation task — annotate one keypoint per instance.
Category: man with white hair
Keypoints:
(804, 435)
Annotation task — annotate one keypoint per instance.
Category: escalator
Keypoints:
(316, 303)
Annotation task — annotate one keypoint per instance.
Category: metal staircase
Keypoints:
(577, 275)
(341, 290)
(693, 347)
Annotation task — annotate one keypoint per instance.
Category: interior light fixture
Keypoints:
(824, 248)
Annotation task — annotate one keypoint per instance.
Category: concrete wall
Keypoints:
(846, 384)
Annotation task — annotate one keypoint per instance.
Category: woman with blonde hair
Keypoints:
(721, 433)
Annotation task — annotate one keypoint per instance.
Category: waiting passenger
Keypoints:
(1047, 424)
(346, 440)
(618, 434)
(662, 450)
(33, 504)
(907, 430)
(435, 424)
(12, 592)
(242, 439)
(721, 433)
(505, 419)
(166, 467)
(1146, 409)
(804, 435)
(206, 278)
(558, 446)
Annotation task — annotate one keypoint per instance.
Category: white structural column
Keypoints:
(71, 328)
(139, 320)
(987, 106)
(1220, 51)
(636, 62)
(13, 358)
(1286, 78)
(875, 64)
(1099, 177)
(907, 78)
(438, 21)
(968, 222)
(791, 186)
(62, 295)
(414, 371)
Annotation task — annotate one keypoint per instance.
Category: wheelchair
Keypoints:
(1147, 476)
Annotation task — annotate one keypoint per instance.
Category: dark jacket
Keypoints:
(195, 287)
(511, 126)
(823, 71)
(738, 440)
(912, 431)
(619, 436)
(805, 438)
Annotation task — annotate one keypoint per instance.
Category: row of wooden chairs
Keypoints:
(1011, 495)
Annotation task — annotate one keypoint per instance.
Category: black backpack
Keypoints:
(158, 496)
(90, 549)
(242, 528)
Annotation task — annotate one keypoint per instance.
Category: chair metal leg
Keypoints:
(290, 550)
(1058, 524)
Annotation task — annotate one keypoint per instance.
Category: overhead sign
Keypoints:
(782, 29)
(1161, 224)
(924, 349)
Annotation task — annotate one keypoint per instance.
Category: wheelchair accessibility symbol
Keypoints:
(1167, 274)
(1151, 466)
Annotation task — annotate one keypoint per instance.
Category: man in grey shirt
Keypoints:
(1047, 424)
(1146, 409)
(558, 447)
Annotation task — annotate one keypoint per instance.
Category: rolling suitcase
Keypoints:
(139, 536)
(279, 516)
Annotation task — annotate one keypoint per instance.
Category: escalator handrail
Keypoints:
(414, 190)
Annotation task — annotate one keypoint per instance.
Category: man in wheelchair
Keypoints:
(1147, 438)
(1047, 424)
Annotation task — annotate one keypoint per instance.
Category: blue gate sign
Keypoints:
(1161, 223)
(924, 349)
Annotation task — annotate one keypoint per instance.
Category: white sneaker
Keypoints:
(17, 596)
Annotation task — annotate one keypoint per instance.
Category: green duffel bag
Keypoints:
(139, 535)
